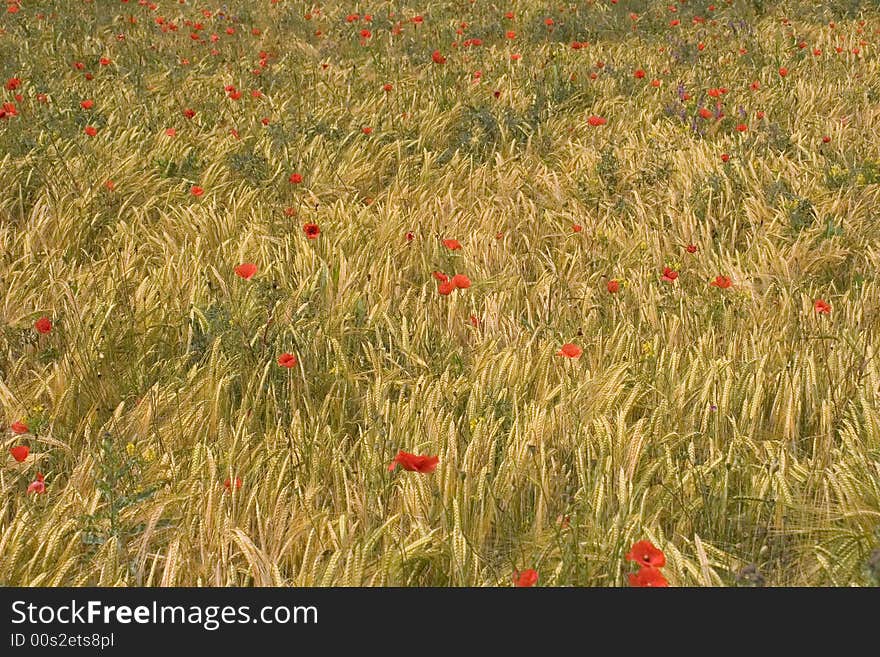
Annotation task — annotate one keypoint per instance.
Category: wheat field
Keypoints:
(730, 413)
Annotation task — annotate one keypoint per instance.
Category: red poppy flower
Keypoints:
(13, 83)
(90, 130)
(245, 270)
(414, 463)
(570, 350)
(742, 127)
(452, 245)
(287, 360)
(8, 110)
(822, 307)
(196, 191)
(87, 104)
(312, 231)
(19, 452)
(296, 178)
(440, 276)
(705, 113)
(644, 553)
(613, 286)
(722, 282)
(725, 158)
(691, 248)
(461, 281)
(387, 87)
(227, 484)
(43, 325)
(189, 113)
(669, 275)
(597, 121)
(783, 71)
(648, 577)
(639, 74)
(526, 578)
(38, 485)
(577, 228)
(655, 82)
(437, 57)
(446, 287)
(826, 139)
(19, 427)
(410, 236)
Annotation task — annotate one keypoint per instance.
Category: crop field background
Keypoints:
(229, 241)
